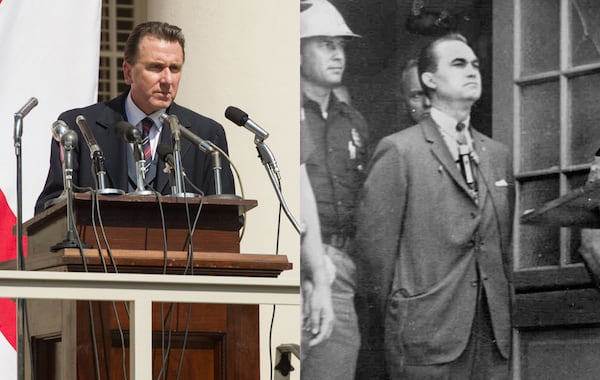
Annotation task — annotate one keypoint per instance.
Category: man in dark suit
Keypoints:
(433, 239)
(153, 61)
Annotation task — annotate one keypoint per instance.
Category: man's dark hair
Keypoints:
(160, 30)
(428, 60)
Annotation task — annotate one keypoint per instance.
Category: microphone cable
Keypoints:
(164, 355)
(277, 239)
(96, 206)
(189, 266)
(90, 305)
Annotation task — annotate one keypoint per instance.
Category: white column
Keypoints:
(246, 53)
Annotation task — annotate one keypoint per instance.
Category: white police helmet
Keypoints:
(320, 18)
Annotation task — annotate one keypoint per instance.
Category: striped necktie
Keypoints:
(147, 125)
(464, 156)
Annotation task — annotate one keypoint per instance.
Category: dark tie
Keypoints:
(147, 124)
(464, 156)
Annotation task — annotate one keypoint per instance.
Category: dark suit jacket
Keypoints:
(102, 118)
(420, 236)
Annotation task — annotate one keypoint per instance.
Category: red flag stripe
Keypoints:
(8, 251)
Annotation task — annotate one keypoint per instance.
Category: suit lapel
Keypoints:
(111, 144)
(484, 172)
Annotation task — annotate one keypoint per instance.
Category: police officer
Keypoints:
(333, 148)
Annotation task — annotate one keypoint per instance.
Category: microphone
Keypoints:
(18, 129)
(27, 107)
(69, 139)
(88, 136)
(239, 117)
(177, 129)
(202, 144)
(166, 154)
(97, 156)
(59, 128)
(128, 132)
(176, 177)
(173, 122)
(132, 135)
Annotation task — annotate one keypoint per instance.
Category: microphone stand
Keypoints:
(173, 122)
(177, 159)
(18, 130)
(270, 165)
(178, 176)
(216, 164)
(140, 166)
(216, 153)
(17, 142)
(100, 171)
(68, 142)
(21, 307)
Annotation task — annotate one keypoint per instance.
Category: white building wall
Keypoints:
(246, 53)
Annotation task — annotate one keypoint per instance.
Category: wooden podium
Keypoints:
(90, 340)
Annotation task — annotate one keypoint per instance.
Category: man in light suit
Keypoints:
(153, 61)
(433, 240)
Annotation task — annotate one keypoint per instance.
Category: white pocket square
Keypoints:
(501, 183)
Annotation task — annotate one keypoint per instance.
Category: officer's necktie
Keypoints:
(147, 124)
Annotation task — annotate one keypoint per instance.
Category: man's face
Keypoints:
(323, 61)
(414, 97)
(457, 77)
(154, 77)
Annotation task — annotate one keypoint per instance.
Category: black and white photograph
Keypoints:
(451, 150)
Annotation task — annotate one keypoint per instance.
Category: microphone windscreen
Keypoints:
(166, 154)
(127, 131)
(59, 128)
(69, 139)
(163, 150)
(236, 115)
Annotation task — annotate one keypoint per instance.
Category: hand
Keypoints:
(318, 316)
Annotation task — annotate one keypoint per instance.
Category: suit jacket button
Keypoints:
(474, 283)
